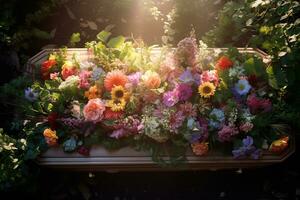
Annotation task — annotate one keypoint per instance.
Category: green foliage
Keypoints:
(75, 38)
(273, 26)
(12, 152)
(19, 26)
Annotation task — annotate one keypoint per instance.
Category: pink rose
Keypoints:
(93, 110)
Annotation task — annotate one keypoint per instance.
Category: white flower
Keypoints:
(236, 71)
(69, 83)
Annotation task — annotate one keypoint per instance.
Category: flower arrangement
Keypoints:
(182, 98)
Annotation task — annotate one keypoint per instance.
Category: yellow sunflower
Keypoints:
(118, 92)
(206, 89)
(116, 104)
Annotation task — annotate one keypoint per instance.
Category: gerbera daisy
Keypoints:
(118, 92)
(206, 89)
(116, 104)
(115, 78)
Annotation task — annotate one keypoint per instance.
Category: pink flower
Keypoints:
(246, 127)
(188, 109)
(226, 133)
(170, 98)
(257, 105)
(93, 110)
(210, 76)
(84, 79)
(176, 121)
(184, 91)
(54, 75)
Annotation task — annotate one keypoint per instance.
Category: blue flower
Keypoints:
(96, 74)
(30, 95)
(242, 87)
(247, 150)
(217, 117)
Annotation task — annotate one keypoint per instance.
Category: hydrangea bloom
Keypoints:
(217, 117)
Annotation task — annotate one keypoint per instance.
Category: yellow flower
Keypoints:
(118, 92)
(116, 104)
(206, 89)
(50, 137)
(52, 57)
(93, 93)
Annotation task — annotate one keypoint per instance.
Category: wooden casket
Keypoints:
(127, 159)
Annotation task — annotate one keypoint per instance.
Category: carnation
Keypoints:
(210, 76)
(224, 63)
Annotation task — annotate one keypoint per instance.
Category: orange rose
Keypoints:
(50, 137)
(151, 79)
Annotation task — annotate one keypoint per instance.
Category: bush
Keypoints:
(272, 26)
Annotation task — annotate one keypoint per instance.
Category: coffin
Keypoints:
(127, 159)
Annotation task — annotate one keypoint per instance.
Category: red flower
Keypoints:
(84, 151)
(52, 117)
(45, 69)
(224, 63)
(257, 105)
(109, 114)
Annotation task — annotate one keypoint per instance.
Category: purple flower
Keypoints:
(134, 78)
(247, 149)
(184, 91)
(30, 95)
(118, 133)
(186, 76)
(170, 98)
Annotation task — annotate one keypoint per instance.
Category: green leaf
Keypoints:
(75, 38)
(103, 36)
(255, 66)
(116, 42)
